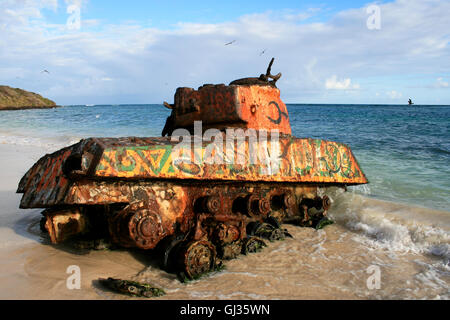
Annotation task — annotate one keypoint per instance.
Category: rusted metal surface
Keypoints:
(246, 103)
(221, 107)
(263, 79)
(215, 211)
(197, 258)
(301, 161)
(141, 225)
(132, 288)
(63, 224)
(207, 205)
(45, 181)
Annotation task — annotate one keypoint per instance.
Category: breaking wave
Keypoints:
(49, 144)
(392, 226)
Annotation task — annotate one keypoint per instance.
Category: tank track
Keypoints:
(219, 222)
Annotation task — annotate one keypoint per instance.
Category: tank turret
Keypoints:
(246, 103)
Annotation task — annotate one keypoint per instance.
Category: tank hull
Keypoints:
(76, 174)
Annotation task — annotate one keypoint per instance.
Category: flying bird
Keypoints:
(262, 52)
(230, 42)
(45, 71)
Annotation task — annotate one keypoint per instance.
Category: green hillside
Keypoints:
(14, 98)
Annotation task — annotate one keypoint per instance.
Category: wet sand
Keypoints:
(409, 245)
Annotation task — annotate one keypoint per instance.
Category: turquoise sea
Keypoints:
(403, 150)
(399, 222)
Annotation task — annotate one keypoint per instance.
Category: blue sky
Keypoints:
(141, 51)
(165, 14)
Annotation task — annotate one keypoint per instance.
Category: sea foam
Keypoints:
(395, 227)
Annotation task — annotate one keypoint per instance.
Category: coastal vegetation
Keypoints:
(15, 99)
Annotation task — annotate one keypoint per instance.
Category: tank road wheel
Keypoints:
(252, 244)
(145, 228)
(263, 230)
(198, 257)
(137, 227)
(279, 233)
(267, 231)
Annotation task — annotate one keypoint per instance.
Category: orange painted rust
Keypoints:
(45, 184)
(219, 106)
(301, 160)
(63, 224)
(262, 109)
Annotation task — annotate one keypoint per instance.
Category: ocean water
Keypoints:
(399, 222)
(403, 150)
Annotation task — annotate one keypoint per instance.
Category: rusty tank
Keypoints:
(226, 174)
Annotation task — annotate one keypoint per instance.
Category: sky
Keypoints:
(124, 52)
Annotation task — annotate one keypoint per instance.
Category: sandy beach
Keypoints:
(355, 93)
(407, 245)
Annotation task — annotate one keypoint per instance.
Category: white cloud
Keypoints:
(413, 39)
(345, 84)
(440, 83)
(394, 94)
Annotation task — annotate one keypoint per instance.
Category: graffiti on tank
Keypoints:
(309, 160)
(280, 113)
